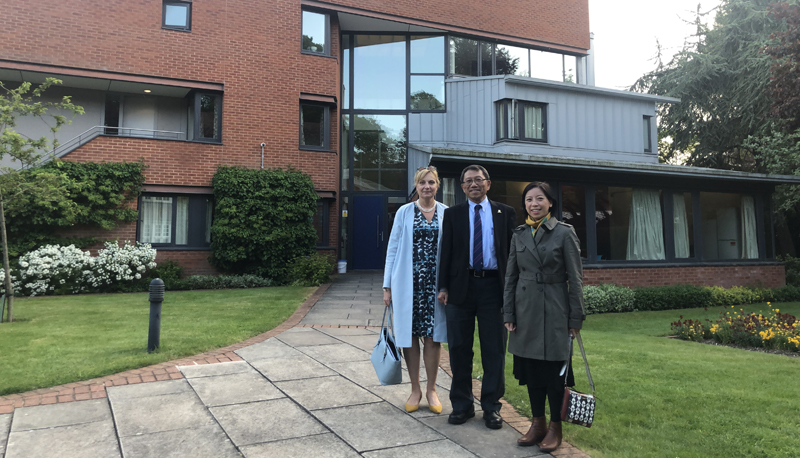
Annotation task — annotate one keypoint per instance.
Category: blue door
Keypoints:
(368, 244)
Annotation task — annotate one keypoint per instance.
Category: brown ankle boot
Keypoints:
(553, 438)
(535, 434)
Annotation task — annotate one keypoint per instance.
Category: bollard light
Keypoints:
(156, 298)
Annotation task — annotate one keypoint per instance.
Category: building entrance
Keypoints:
(368, 232)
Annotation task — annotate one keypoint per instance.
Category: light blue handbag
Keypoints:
(386, 356)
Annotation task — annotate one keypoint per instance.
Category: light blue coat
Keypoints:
(399, 275)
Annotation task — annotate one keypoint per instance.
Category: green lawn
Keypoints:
(62, 339)
(661, 397)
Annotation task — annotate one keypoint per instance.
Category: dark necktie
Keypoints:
(477, 242)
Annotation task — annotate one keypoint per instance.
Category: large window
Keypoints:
(521, 120)
(205, 117)
(379, 72)
(646, 137)
(379, 162)
(470, 57)
(728, 222)
(316, 33)
(511, 60)
(629, 224)
(314, 126)
(321, 222)
(427, 73)
(175, 220)
(176, 15)
(464, 56)
(573, 211)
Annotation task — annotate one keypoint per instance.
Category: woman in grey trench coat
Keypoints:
(542, 305)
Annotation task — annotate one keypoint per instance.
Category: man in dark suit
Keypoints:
(476, 237)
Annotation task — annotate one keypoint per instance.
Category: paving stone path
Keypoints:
(310, 391)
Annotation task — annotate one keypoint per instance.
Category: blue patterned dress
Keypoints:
(426, 238)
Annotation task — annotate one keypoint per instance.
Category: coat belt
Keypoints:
(551, 278)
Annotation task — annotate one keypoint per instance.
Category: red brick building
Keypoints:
(358, 92)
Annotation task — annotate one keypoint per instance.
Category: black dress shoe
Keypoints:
(458, 418)
(492, 419)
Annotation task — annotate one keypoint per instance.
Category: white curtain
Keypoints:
(681, 226)
(645, 229)
(533, 122)
(156, 215)
(749, 239)
(182, 222)
(449, 191)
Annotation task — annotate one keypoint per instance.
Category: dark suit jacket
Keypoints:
(456, 247)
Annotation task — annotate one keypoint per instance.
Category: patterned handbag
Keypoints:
(578, 407)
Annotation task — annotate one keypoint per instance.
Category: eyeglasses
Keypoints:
(430, 167)
(478, 181)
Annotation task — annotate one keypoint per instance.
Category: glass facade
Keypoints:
(573, 212)
(728, 223)
(379, 72)
(379, 156)
(511, 60)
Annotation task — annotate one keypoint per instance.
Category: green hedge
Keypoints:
(262, 220)
(612, 298)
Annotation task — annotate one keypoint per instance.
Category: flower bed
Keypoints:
(772, 330)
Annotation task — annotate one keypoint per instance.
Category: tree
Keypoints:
(721, 77)
(26, 152)
(784, 85)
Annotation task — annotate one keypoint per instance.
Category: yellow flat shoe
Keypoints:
(435, 409)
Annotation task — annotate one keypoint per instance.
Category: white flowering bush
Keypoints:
(66, 269)
(51, 268)
(116, 263)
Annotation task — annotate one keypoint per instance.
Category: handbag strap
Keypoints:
(389, 326)
(585, 362)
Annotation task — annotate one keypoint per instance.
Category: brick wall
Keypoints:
(771, 276)
(193, 262)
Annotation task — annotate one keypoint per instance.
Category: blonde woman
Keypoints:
(410, 285)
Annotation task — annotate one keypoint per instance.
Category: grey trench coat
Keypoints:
(543, 291)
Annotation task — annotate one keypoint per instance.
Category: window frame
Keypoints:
(648, 146)
(326, 146)
(196, 103)
(191, 234)
(325, 220)
(327, 47)
(188, 4)
(516, 107)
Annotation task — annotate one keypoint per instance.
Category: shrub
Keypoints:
(262, 220)
(311, 270)
(116, 264)
(53, 268)
(608, 298)
(792, 266)
(226, 282)
(689, 329)
(786, 293)
(671, 297)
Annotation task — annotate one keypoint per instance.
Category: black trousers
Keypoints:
(484, 302)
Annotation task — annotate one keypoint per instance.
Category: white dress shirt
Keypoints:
(487, 226)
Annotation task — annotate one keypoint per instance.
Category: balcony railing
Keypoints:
(94, 132)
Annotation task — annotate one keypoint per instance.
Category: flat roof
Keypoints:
(639, 168)
(527, 81)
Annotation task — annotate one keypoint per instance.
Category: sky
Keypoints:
(625, 34)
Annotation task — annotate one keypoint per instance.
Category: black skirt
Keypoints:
(541, 373)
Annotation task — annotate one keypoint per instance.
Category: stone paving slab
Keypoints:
(5, 426)
(96, 439)
(270, 348)
(482, 441)
(439, 449)
(336, 332)
(397, 395)
(151, 414)
(148, 390)
(49, 416)
(375, 426)
(212, 370)
(203, 442)
(307, 337)
(320, 446)
(266, 421)
(360, 372)
(338, 353)
(364, 342)
(326, 392)
(299, 367)
(234, 388)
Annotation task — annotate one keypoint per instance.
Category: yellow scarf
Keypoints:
(535, 224)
